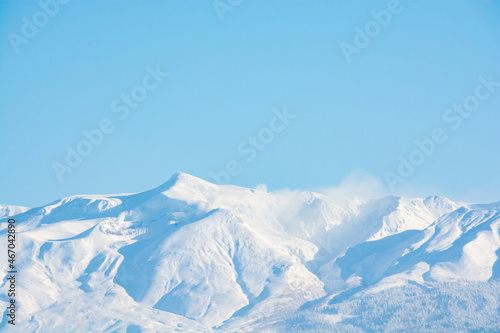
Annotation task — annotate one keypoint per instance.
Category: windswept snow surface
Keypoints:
(193, 256)
(7, 211)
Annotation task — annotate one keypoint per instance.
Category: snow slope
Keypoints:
(7, 210)
(193, 256)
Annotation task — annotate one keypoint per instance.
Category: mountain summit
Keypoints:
(190, 255)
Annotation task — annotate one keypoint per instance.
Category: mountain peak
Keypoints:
(183, 186)
(191, 255)
(184, 180)
(187, 178)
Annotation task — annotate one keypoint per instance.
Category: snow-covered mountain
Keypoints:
(193, 256)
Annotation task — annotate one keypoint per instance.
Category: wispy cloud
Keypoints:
(357, 184)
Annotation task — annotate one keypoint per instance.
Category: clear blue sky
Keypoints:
(226, 77)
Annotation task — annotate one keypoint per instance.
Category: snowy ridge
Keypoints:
(7, 210)
(194, 256)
